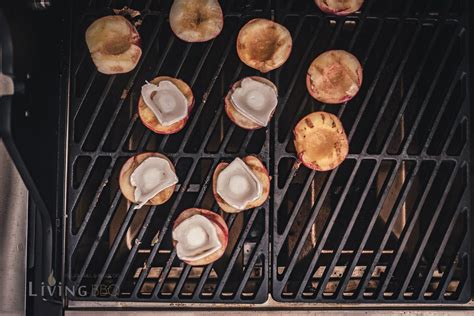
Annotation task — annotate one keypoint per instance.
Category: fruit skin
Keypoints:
(347, 61)
(259, 170)
(321, 120)
(264, 45)
(116, 51)
(355, 5)
(189, 12)
(235, 115)
(149, 119)
(128, 190)
(221, 229)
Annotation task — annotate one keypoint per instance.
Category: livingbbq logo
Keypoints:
(52, 288)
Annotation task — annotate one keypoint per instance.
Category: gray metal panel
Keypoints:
(13, 236)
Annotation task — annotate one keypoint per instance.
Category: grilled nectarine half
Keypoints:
(320, 141)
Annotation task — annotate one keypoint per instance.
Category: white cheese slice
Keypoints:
(237, 185)
(166, 101)
(151, 177)
(196, 238)
(255, 100)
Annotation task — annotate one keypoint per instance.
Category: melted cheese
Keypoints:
(166, 101)
(196, 238)
(237, 185)
(151, 177)
(255, 100)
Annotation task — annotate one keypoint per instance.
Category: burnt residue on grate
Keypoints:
(390, 225)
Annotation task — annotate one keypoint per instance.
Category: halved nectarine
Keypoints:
(334, 77)
(114, 44)
(263, 44)
(320, 141)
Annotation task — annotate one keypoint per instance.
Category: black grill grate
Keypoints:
(123, 254)
(389, 225)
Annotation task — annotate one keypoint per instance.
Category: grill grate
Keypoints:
(389, 225)
(124, 254)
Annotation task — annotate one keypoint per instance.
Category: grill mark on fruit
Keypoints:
(309, 122)
(320, 70)
(337, 148)
(359, 75)
(316, 165)
(350, 73)
(116, 68)
(323, 117)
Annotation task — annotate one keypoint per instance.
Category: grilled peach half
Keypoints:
(263, 44)
(259, 170)
(128, 189)
(196, 20)
(218, 224)
(149, 119)
(339, 7)
(334, 77)
(320, 141)
(114, 44)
